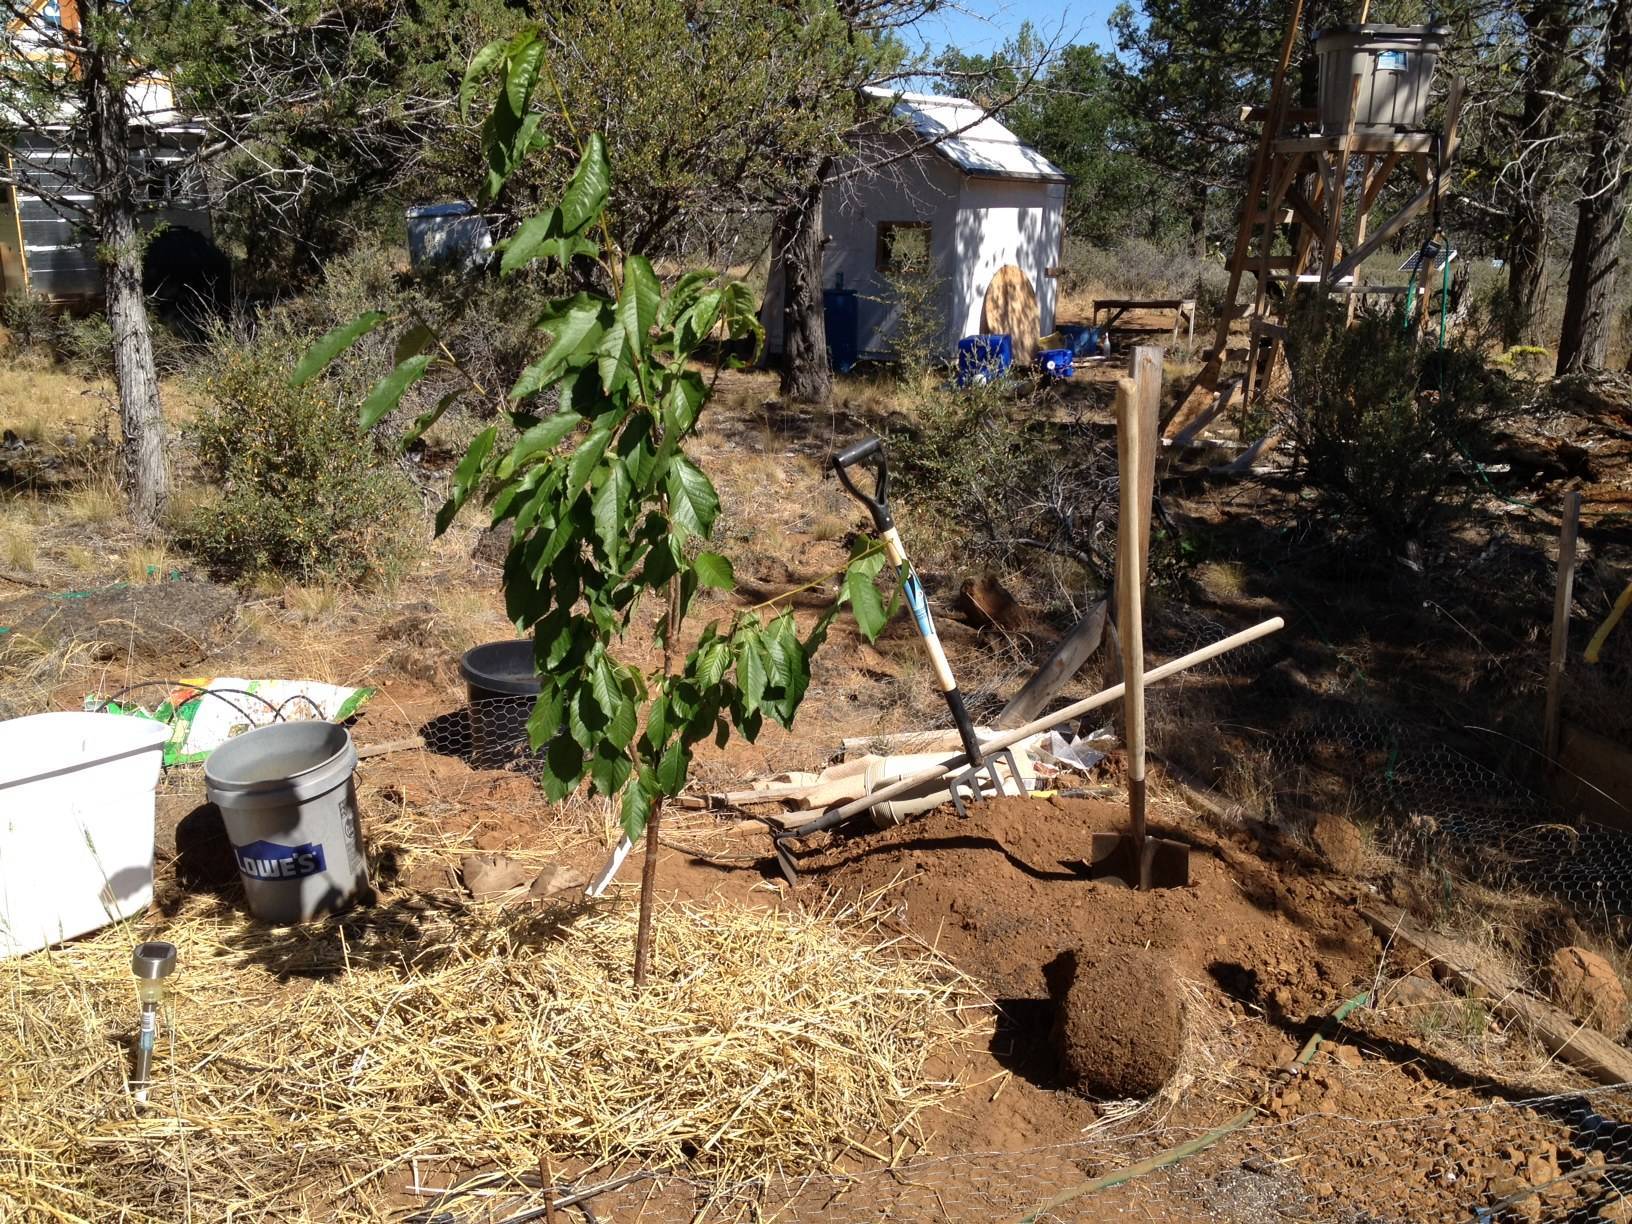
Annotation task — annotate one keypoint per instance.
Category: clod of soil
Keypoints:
(1341, 843)
(1119, 1033)
(1585, 983)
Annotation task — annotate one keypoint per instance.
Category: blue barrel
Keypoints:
(983, 358)
(843, 321)
(1054, 363)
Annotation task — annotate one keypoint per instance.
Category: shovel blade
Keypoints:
(1166, 865)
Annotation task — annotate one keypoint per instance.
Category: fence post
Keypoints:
(1561, 625)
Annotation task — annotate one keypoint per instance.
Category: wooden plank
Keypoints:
(1142, 303)
(1563, 1036)
(1072, 651)
(1387, 230)
(1340, 181)
(1146, 368)
(1563, 593)
(1364, 142)
(1133, 439)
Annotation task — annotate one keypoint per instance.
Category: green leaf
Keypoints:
(525, 53)
(466, 477)
(613, 354)
(751, 676)
(609, 769)
(610, 502)
(671, 770)
(712, 661)
(563, 768)
(693, 504)
(638, 303)
(620, 728)
(522, 246)
(586, 459)
(587, 192)
(388, 392)
(480, 65)
(603, 684)
(545, 721)
(637, 805)
(541, 439)
(576, 331)
(332, 344)
(715, 571)
(865, 602)
(684, 294)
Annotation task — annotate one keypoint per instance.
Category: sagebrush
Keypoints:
(300, 492)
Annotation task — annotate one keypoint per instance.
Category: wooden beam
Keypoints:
(1562, 1035)
(1563, 593)
(1072, 651)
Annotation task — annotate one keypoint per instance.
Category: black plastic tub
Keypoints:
(501, 684)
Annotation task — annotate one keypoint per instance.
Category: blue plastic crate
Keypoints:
(1054, 363)
(983, 358)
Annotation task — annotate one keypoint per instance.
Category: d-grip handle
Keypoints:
(870, 453)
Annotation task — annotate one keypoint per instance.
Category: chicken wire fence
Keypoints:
(1565, 1159)
(1457, 800)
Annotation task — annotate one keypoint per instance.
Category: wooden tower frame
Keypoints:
(1304, 182)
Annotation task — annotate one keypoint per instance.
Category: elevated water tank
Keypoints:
(1395, 65)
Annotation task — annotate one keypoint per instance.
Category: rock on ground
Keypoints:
(1588, 986)
(1119, 1032)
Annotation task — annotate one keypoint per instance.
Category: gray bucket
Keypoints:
(287, 798)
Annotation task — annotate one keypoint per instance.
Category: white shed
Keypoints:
(978, 196)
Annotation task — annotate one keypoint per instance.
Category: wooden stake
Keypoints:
(1562, 595)
(1132, 439)
(648, 887)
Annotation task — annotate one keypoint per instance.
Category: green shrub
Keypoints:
(301, 492)
(1380, 420)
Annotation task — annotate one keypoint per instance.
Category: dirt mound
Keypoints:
(176, 620)
(1120, 1028)
(1587, 985)
(1006, 894)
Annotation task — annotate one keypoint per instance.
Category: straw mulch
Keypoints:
(302, 1070)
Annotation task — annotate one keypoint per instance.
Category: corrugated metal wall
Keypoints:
(54, 207)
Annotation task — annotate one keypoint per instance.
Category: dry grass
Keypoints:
(96, 502)
(19, 549)
(486, 1038)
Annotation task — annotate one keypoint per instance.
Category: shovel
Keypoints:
(1139, 860)
(870, 453)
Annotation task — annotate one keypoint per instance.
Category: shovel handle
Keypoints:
(868, 452)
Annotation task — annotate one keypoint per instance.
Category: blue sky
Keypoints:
(985, 25)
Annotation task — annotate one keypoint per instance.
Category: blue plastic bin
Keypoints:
(1083, 341)
(982, 358)
(842, 316)
(1054, 363)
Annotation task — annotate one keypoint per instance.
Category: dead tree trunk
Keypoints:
(1547, 25)
(1595, 261)
(798, 240)
(143, 473)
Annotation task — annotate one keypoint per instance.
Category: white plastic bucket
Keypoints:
(76, 824)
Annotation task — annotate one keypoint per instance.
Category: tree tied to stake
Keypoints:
(604, 504)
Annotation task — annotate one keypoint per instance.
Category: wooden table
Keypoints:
(1184, 311)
